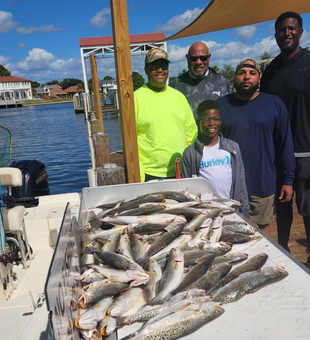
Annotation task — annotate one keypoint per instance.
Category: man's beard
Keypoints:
(246, 92)
(289, 47)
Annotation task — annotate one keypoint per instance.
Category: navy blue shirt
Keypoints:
(262, 130)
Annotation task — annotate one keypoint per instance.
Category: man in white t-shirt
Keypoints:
(216, 158)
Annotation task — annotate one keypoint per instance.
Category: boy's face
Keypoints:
(209, 122)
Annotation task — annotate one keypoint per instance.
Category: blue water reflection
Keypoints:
(57, 137)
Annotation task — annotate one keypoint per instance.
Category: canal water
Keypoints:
(57, 137)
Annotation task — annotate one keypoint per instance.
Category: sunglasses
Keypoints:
(155, 67)
(207, 120)
(201, 57)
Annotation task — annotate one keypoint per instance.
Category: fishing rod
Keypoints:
(177, 168)
(5, 156)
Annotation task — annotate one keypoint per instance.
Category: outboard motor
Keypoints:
(35, 182)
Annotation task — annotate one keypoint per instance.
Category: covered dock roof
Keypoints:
(103, 47)
(224, 14)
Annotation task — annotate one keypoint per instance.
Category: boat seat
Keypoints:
(11, 177)
(13, 218)
(14, 224)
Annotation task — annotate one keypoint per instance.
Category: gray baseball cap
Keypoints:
(244, 63)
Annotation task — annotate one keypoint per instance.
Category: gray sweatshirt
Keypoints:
(192, 157)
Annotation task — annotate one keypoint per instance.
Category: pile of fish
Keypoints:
(170, 254)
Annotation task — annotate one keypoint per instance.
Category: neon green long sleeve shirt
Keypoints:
(165, 127)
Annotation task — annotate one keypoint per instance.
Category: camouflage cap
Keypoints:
(156, 54)
(244, 63)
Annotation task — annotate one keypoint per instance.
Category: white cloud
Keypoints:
(230, 53)
(245, 33)
(178, 22)
(22, 46)
(42, 66)
(177, 53)
(99, 20)
(4, 60)
(42, 29)
(6, 22)
(305, 40)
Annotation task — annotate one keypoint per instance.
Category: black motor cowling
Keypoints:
(35, 182)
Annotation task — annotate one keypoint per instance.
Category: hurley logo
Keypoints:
(216, 162)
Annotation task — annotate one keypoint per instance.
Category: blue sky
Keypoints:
(40, 40)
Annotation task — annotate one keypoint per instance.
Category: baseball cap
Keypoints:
(155, 54)
(244, 63)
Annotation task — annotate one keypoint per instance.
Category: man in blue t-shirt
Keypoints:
(259, 123)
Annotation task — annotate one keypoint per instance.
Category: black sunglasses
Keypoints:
(155, 67)
(207, 120)
(201, 57)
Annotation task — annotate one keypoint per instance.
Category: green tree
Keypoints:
(138, 80)
(53, 82)
(108, 78)
(81, 86)
(35, 84)
(90, 85)
(4, 72)
(228, 72)
(265, 56)
(183, 71)
(67, 82)
(216, 68)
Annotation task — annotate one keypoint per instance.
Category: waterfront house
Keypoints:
(49, 90)
(14, 89)
(72, 90)
(108, 88)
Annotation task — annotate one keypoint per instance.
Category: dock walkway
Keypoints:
(8, 104)
(298, 241)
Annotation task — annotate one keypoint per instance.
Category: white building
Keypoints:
(14, 89)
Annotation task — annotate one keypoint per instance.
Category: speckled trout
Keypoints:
(254, 263)
(147, 312)
(249, 282)
(171, 277)
(179, 324)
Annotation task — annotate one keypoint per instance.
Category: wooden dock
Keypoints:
(298, 241)
(7, 105)
(117, 158)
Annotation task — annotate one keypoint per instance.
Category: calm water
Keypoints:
(57, 137)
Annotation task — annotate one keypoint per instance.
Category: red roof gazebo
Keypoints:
(103, 47)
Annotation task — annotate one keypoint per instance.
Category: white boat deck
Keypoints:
(278, 311)
(19, 317)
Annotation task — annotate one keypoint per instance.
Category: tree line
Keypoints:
(66, 83)
(138, 81)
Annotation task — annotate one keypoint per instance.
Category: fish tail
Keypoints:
(122, 321)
